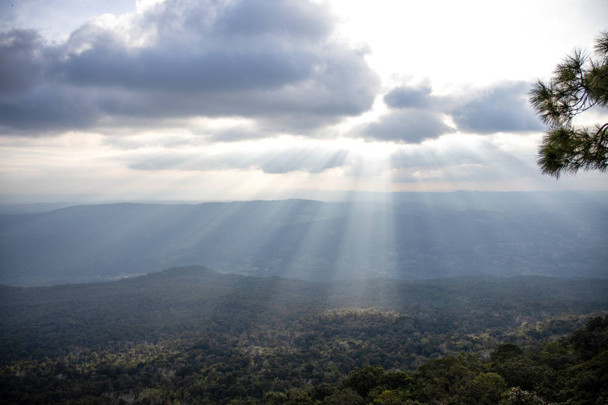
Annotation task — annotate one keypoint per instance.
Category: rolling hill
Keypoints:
(307, 239)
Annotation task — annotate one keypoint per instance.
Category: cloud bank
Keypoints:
(416, 114)
(236, 88)
(274, 61)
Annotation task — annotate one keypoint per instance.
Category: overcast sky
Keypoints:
(243, 99)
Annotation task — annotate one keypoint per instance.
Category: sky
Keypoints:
(265, 99)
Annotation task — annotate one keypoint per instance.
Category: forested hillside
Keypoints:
(573, 370)
(441, 236)
(192, 335)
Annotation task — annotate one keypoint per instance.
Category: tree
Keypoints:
(485, 389)
(579, 83)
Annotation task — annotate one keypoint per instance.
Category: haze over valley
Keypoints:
(416, 236)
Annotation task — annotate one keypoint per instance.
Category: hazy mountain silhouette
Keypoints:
(309, 239)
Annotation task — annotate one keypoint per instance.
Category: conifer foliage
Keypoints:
(579, 84)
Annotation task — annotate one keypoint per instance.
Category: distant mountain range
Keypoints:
(450, 235)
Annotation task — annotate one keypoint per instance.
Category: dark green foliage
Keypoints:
(579, 84)
(344, 396)
(506, 352)
(373, 378)
(582, 377)
(390, 323)
(485, 389)
(519, 370)
(592, 339)
(191, 335)
(466, 380)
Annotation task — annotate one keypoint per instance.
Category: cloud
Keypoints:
(501, 108)
(237, 133)
(465, 157)
(410, 97)
(280, 18)
(272, 61)
(279, 160)
(21, 64)
(408, 126)
(27, 98)
(416, 114)
(466, 150)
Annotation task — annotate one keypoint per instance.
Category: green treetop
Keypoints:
(578, 84)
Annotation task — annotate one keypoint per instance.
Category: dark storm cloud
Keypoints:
(408, 126)
(501, 108)
(272, 61)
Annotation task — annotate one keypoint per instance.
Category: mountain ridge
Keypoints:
(303, 239)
